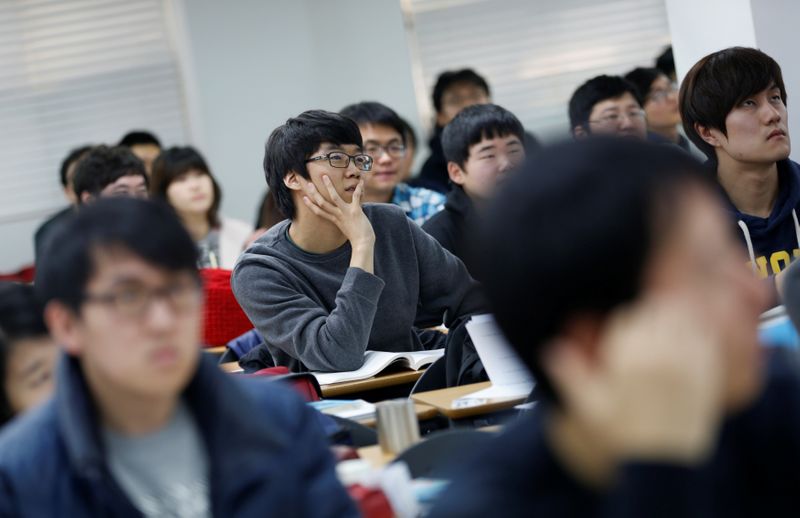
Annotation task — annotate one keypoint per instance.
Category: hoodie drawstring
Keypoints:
(749, 241)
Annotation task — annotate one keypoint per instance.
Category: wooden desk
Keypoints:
(380, 381)
(219, 351)
(375, 456)
(443, 400)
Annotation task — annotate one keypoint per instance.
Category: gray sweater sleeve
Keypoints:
(300, 326)
(447, 291)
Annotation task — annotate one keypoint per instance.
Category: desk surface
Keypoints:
(380, 381)
(350, 387)
(443, 400)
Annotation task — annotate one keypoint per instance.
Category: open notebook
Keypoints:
(509, 376)
(376, 361)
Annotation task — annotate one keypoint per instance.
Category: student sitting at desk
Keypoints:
(482, 144)
(142, 422)
(336, 278)
(656, 398)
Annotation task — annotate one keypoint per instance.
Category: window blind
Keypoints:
(76, 72)
(534, 54)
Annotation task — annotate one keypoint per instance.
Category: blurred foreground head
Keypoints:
(601, 224)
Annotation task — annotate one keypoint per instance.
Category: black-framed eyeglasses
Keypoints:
(393, 150)
(341, 160)
(616, 118)
(134, 301)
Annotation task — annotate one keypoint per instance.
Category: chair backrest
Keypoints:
(303, 382)
(360, 435)
(432, 379)
(441, 454)
(223, 318)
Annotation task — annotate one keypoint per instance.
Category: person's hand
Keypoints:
(348, 217)
(653, 392)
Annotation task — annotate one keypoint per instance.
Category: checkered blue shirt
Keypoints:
(418, 203)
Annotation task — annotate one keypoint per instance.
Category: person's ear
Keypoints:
(456, 173)
(64, 326)
(709, 135)
(292, 180)
(580, 131)
(86, 197)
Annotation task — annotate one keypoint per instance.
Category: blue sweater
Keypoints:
(267, 454)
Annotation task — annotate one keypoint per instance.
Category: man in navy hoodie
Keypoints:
(142, 423)
(733, 105)
(612, 274)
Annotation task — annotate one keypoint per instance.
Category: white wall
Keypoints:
(255, 63)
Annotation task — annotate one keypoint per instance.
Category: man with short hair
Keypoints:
(611, 272)
(384, 136)
(733, 106)
(109, 171)
(142, 422)
(607, 105)
(336, 279)
(67, 177)
(483, 144)
(454, 90)
(144, 145)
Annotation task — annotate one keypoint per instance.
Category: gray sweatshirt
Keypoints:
(317, 313)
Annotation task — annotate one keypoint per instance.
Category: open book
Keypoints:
(376, 361)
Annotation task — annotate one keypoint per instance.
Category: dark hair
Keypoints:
(176, 161)
(104, 165)
(73, 156)
(666, 63)
(148, 229)
(720, 81)
(21, 316)
(450, 77)
(594, 91)
(409, 134)
(474, 124)
(291, 144)
(606, 197)
(374, 113)
(642, 79)
(137, 137)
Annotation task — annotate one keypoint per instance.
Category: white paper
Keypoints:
(509, 376)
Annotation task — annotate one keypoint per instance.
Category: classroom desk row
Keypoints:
(427, 404)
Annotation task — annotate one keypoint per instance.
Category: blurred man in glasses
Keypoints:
(142, 423)
(607, 105)
(385, 141)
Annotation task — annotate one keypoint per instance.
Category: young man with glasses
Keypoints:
(659, 98)
(384, 138)
(483, 144)
(336, 278)
(142, 422)
(607, 105)
(733, 105)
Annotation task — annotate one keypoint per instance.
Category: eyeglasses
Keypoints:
(616, 118)
(341, 160)
(661, 94)
(134, 301)
(393, 150)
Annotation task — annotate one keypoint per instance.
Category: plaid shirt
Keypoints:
(418, 203)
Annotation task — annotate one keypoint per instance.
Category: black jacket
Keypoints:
(453, 226)
(753, 472)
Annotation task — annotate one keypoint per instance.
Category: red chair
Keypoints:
(224, 319)
(25, 274)
(303, 382)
